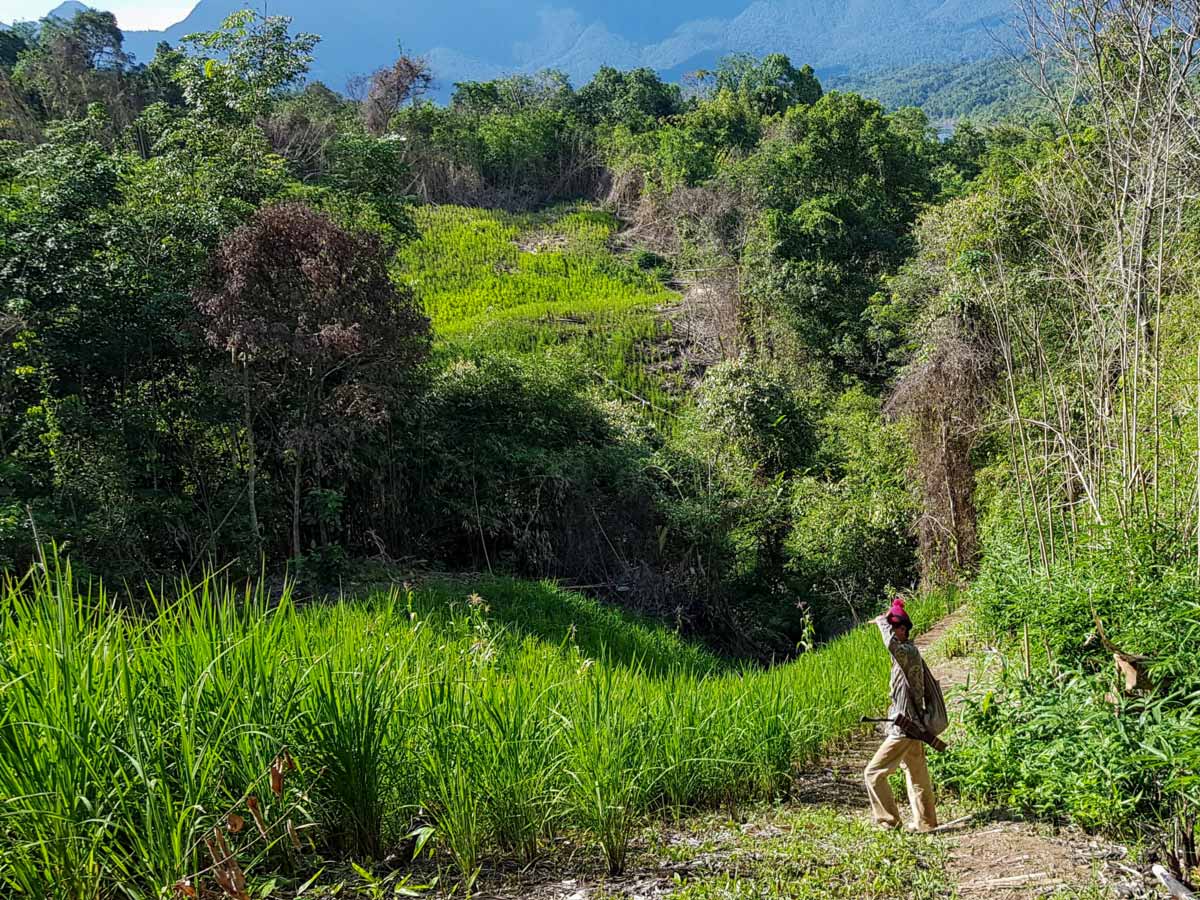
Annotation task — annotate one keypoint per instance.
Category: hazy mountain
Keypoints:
(472, 39)
(66, 10)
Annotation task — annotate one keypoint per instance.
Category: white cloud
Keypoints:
(137, 16)
(132, 15)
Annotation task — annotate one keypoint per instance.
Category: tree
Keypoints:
(76, 63)
(688, 150)
(943, 397)
(116, 415)
(407, 79)
(374, 169)
(549, 90)
(157, 78)
(12, 44)
(320, 342)
(773, 84)
(752, 408)
(18, 121)
(840, 185)
(965, 149)
(636, 99)
(236, 72)
(301, 127)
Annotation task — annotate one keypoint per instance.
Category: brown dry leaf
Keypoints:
(1135, 679)
(234, 823)
(184, 888)
(225, 869)
(291, 830)
(259, 821)
(280, 766)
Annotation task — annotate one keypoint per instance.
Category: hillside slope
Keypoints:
(528, 283)
(984, 90)
(481, 38)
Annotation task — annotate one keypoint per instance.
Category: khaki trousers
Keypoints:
(894, 753)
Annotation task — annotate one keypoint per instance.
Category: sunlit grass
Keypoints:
(805, 853)
(128, 739)
(496, 281)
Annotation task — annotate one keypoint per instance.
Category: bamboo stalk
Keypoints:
(1025, 650)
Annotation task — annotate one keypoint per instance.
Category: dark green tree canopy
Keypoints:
(548, 90)
(637, 99)
(772, 83)
(12, 44)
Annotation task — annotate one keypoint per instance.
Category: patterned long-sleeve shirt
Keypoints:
(907, 669)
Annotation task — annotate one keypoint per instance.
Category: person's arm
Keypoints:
(885, 629)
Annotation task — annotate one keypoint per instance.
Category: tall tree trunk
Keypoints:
(322, 529)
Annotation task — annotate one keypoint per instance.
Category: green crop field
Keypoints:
(490, 280)
(134, 746)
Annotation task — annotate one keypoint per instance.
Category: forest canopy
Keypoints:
(218, 280)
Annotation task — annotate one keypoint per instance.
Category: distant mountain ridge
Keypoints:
(64, 10)
(479, 39)
(67, 9)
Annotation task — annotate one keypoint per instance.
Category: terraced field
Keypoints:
(494, 281)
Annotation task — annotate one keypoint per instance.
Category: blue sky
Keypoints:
(131, 14)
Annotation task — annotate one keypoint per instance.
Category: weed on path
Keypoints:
(778, 851)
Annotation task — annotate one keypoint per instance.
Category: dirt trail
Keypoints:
(837, 780)
(980, 854)
(993, 854)
(996, 854)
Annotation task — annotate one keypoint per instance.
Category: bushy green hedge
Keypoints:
(1069, 742)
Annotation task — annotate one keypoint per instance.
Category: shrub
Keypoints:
(746, 403)
(1069, 742)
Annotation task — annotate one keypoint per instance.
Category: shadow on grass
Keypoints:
(544, 611)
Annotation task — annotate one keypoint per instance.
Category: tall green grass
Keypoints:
(496, 281)
(127, 739)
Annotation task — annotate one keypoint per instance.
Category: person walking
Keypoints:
(898, 751)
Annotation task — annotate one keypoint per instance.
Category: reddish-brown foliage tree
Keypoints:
(322, 342)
